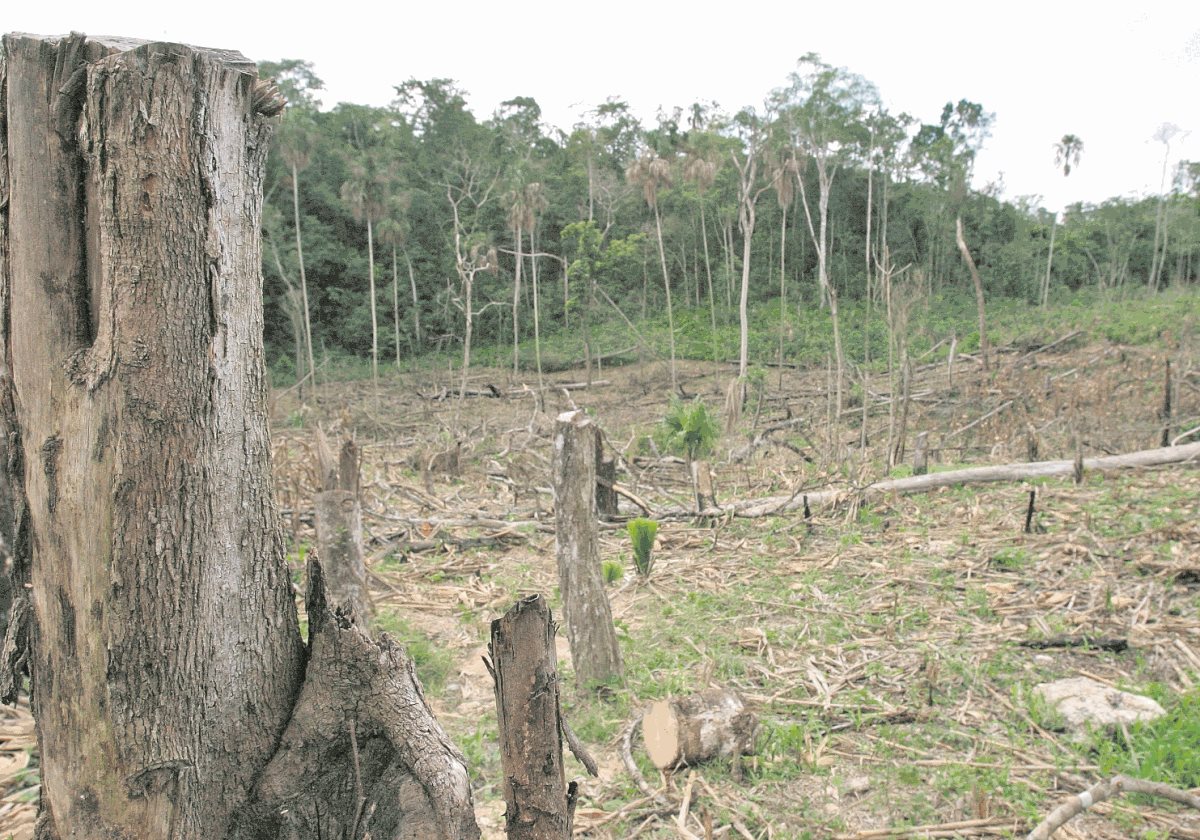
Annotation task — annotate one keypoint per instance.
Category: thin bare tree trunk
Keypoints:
(396, 304)
(412, 283)
(374, 319)
(537, 330)
(308, 342)
(662, 256)
(1045, 295)
(516, 304)
(969, 260)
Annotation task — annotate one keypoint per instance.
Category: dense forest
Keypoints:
(392, 232)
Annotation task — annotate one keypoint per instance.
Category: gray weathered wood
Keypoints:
(337, 514)
(588, 616)
(973, 475)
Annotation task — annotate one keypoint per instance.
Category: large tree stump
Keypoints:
(590, 631)
(691, 730)
(525, 670)
(159, 626)
(338, 518)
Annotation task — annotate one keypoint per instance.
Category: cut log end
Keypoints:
(692, 730)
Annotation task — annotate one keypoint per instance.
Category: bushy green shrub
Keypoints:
(612, 570)
(689, 429)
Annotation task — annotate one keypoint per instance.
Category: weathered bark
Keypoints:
(606, 479)
(337, 515)
(164, 647)
(978, 282)
(921, 454)
(702, 487)
(525, 670)
(1164, 413)
(162, 637)
(362, 756)
(698, 728)
(588, 616)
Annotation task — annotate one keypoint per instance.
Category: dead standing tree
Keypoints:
(174, 695)
(588, 615)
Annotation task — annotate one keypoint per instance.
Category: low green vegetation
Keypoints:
(689, 429)
(641, 534)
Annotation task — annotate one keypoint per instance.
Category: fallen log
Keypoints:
(975, 475)
(685, 731)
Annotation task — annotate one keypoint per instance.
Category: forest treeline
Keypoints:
(390, 232)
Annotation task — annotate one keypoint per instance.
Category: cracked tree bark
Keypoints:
(158, 625)
(588, 616)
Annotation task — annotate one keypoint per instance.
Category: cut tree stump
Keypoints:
(338, 518)
(606, 480)
(589, 624)
(157, 630)
(702, 488)
(525, 670)
(691, 730)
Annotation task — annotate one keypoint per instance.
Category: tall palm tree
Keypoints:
(652, 173)
(297, 138)
(525, 203)
(702, 172)
(364, 191)
(393, 231)
(1067, 152)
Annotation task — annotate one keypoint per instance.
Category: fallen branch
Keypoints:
(1101, 791)
(1094, 642)
(975, 475)
(1050, 346)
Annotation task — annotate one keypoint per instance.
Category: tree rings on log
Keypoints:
(692, 730)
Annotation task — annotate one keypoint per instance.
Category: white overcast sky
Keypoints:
(1108, 72)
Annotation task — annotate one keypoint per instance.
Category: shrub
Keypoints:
(690, 429)
(642, 533)
(613, 571)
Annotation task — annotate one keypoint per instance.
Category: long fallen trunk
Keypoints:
(974, 475)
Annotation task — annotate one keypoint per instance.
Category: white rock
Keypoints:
(1084, 702)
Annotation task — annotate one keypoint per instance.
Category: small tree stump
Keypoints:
(606, 478)
(525, 671)
(702, 486)
(921, 454)
(338, 519)
(593, 640)
(691, 730)
(338, 515)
